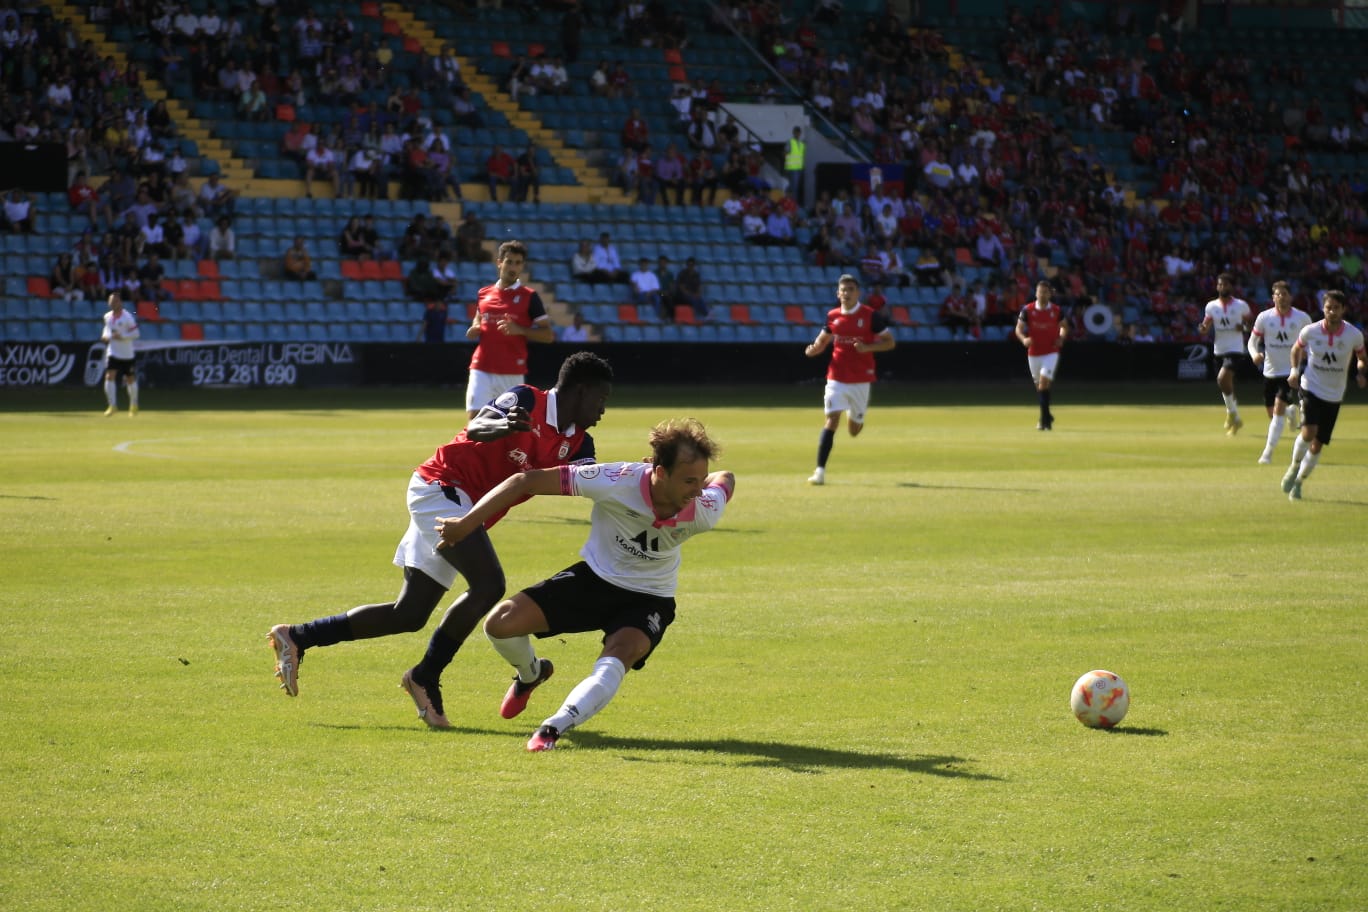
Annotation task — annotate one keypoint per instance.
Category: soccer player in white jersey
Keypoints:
(1230, 317)
(1270, 346)
(120, 332)
(625, 586)
(1320, 369)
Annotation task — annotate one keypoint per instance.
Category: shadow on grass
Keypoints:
(944, 487)
(1138, 732)
(796, 757)
(799, 758)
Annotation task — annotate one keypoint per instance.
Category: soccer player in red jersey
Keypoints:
(525, 428)
(855, 332)
(507, 315)
(1041, 328)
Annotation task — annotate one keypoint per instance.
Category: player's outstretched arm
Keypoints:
(510, 491)
(491, 424)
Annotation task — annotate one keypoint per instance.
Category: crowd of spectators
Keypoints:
(1222, 164)
(1004, 167)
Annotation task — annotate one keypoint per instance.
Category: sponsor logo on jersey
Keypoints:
(519, 457)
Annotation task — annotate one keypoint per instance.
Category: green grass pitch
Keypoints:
(863, 703)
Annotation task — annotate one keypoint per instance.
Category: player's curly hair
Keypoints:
(677, 439)
(584, 369)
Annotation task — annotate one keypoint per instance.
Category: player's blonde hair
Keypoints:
(676, 439)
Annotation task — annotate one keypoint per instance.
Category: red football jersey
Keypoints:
(496, 353)
(1042, 325)
(860, 325)
(477, 466)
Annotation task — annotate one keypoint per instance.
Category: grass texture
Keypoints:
(863, 703)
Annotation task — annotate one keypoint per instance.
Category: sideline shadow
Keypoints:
(800, 758)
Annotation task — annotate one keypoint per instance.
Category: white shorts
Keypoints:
(851, 398)
(418, 548)
(1043, 366)
(483, 388)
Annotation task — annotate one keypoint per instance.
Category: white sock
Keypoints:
(589, 695)
(1307, 465)
(517, 651)
(1299, 449)
(1292, 416)
(111, 393)
(1275, 426)
(133, 394)
(1231, 405)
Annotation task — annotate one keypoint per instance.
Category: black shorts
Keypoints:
(1321, 414)
(1277, 388)
(1230, 360)
(122, 367)
(577, 600)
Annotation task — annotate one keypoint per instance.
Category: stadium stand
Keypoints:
(1128, 164)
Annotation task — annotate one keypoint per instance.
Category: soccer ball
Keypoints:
(1099, 699)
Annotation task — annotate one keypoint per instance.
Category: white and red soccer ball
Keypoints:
(1099, 699)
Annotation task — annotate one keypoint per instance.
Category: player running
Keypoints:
(1270, 347)
(1041, 328)
(1324, 351)
(855, 332)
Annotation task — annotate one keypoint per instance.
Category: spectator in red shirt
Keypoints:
(636, 134)
(85, 198)
(499, 170)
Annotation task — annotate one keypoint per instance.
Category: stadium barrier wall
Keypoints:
(315, 364)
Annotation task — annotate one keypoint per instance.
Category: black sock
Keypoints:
(824, 447)
(322, 632)
(441, 650)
